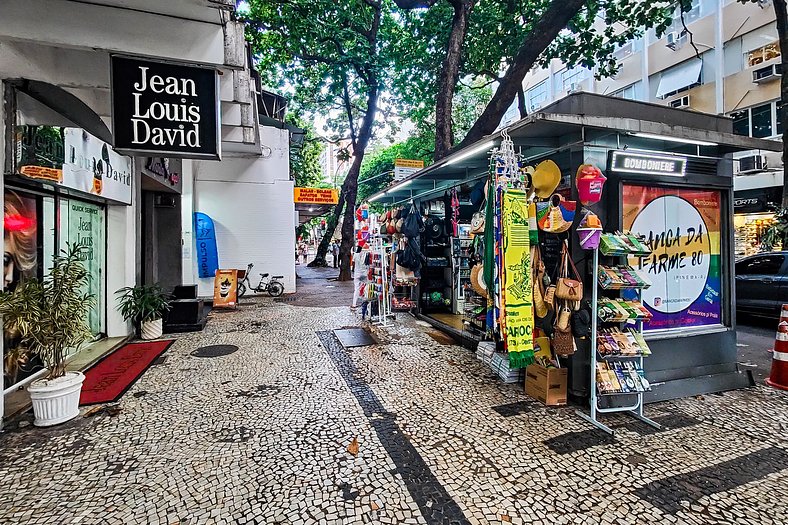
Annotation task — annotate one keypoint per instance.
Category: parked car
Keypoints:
(762, 283)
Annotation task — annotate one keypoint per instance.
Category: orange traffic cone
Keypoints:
(778, 378)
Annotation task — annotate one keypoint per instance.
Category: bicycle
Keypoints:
(272, 286)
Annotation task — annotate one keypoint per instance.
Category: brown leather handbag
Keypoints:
(568, 288)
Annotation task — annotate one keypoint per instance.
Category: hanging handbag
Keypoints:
(555, 215)
(540, 307)
(567, 288)
(563, 343)
(549, 297)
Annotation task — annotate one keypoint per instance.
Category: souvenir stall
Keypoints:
(600, 260)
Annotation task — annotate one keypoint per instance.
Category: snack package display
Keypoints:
(623, 244)
(620, 377)
(619, 277)
(620, 310)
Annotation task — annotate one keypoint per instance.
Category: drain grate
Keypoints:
(214, 350)
(350, 337)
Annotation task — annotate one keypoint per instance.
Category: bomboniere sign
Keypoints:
(165, 108)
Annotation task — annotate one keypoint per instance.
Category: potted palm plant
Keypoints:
(50, 317)
(144, 305)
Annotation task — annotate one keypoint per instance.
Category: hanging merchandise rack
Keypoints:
(382, 281)
(617, 355)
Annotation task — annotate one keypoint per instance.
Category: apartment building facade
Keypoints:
(732, 69)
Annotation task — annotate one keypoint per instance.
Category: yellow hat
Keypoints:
(546, 178)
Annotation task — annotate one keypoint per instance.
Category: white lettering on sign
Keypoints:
(648, 164)
(651, 165)
(143, 132)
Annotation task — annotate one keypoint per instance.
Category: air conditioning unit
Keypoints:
(765, 74)
(680, 103)
(752, 163)
(672, 40)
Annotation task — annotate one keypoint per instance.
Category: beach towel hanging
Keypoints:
(518, 289)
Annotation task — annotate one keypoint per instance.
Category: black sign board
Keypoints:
(647, 164)
(160, 108)
(757, 200)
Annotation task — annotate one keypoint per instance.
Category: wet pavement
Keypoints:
(295, 428)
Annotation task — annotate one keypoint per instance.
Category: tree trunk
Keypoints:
(521, 102)
(351, 181)
(547, 28)
(447, 81)
(781, 11)
(331, 225)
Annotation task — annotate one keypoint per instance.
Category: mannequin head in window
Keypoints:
(20, 256)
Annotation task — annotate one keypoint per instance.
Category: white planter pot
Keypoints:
(56, 401)
(151, 330)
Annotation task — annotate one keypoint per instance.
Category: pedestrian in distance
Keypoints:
(335, 253)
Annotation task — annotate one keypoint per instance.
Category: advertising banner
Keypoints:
(75, 159)
(92, 166)
(165, 108)
(682, 227)
(205, 237)
(225, 289)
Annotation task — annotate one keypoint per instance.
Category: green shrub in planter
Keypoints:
(51, 315)
(143, 303)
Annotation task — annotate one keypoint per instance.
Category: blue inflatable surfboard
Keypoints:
(205, 236)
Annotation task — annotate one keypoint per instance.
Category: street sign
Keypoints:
(405, 167)
(315, 196)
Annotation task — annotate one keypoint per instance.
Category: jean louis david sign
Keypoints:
(168, 109)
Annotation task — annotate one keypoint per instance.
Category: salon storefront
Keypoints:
(59, 181)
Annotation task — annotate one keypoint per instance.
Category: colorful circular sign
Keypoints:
(679, 264)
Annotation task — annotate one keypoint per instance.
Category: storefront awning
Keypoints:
(679, 77)
(66, 104)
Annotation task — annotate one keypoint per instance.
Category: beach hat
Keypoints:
(477, 280)
(546, 178)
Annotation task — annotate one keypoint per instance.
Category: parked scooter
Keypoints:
(272, 286)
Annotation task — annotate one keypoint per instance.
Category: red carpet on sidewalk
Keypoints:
(109, 379)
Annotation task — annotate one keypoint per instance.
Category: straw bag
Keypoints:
(538, 269)
(549, 297)
(563, 343)
(567, 288)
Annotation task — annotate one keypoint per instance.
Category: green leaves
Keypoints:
(51, 316)
(143, 303)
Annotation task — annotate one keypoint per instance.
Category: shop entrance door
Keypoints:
(84, 222)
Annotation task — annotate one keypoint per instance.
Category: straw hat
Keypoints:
(546, 178)
(477, 280)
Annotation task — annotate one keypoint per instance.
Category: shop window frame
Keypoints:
(775, 120)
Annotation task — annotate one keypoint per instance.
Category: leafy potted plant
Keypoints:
(144, 305)
(50, 317)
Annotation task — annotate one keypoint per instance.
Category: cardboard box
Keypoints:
(548, 385)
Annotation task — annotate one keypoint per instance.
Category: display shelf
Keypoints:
(634, 409)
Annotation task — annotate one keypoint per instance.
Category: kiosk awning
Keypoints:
(680, 77)
(582, 118)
